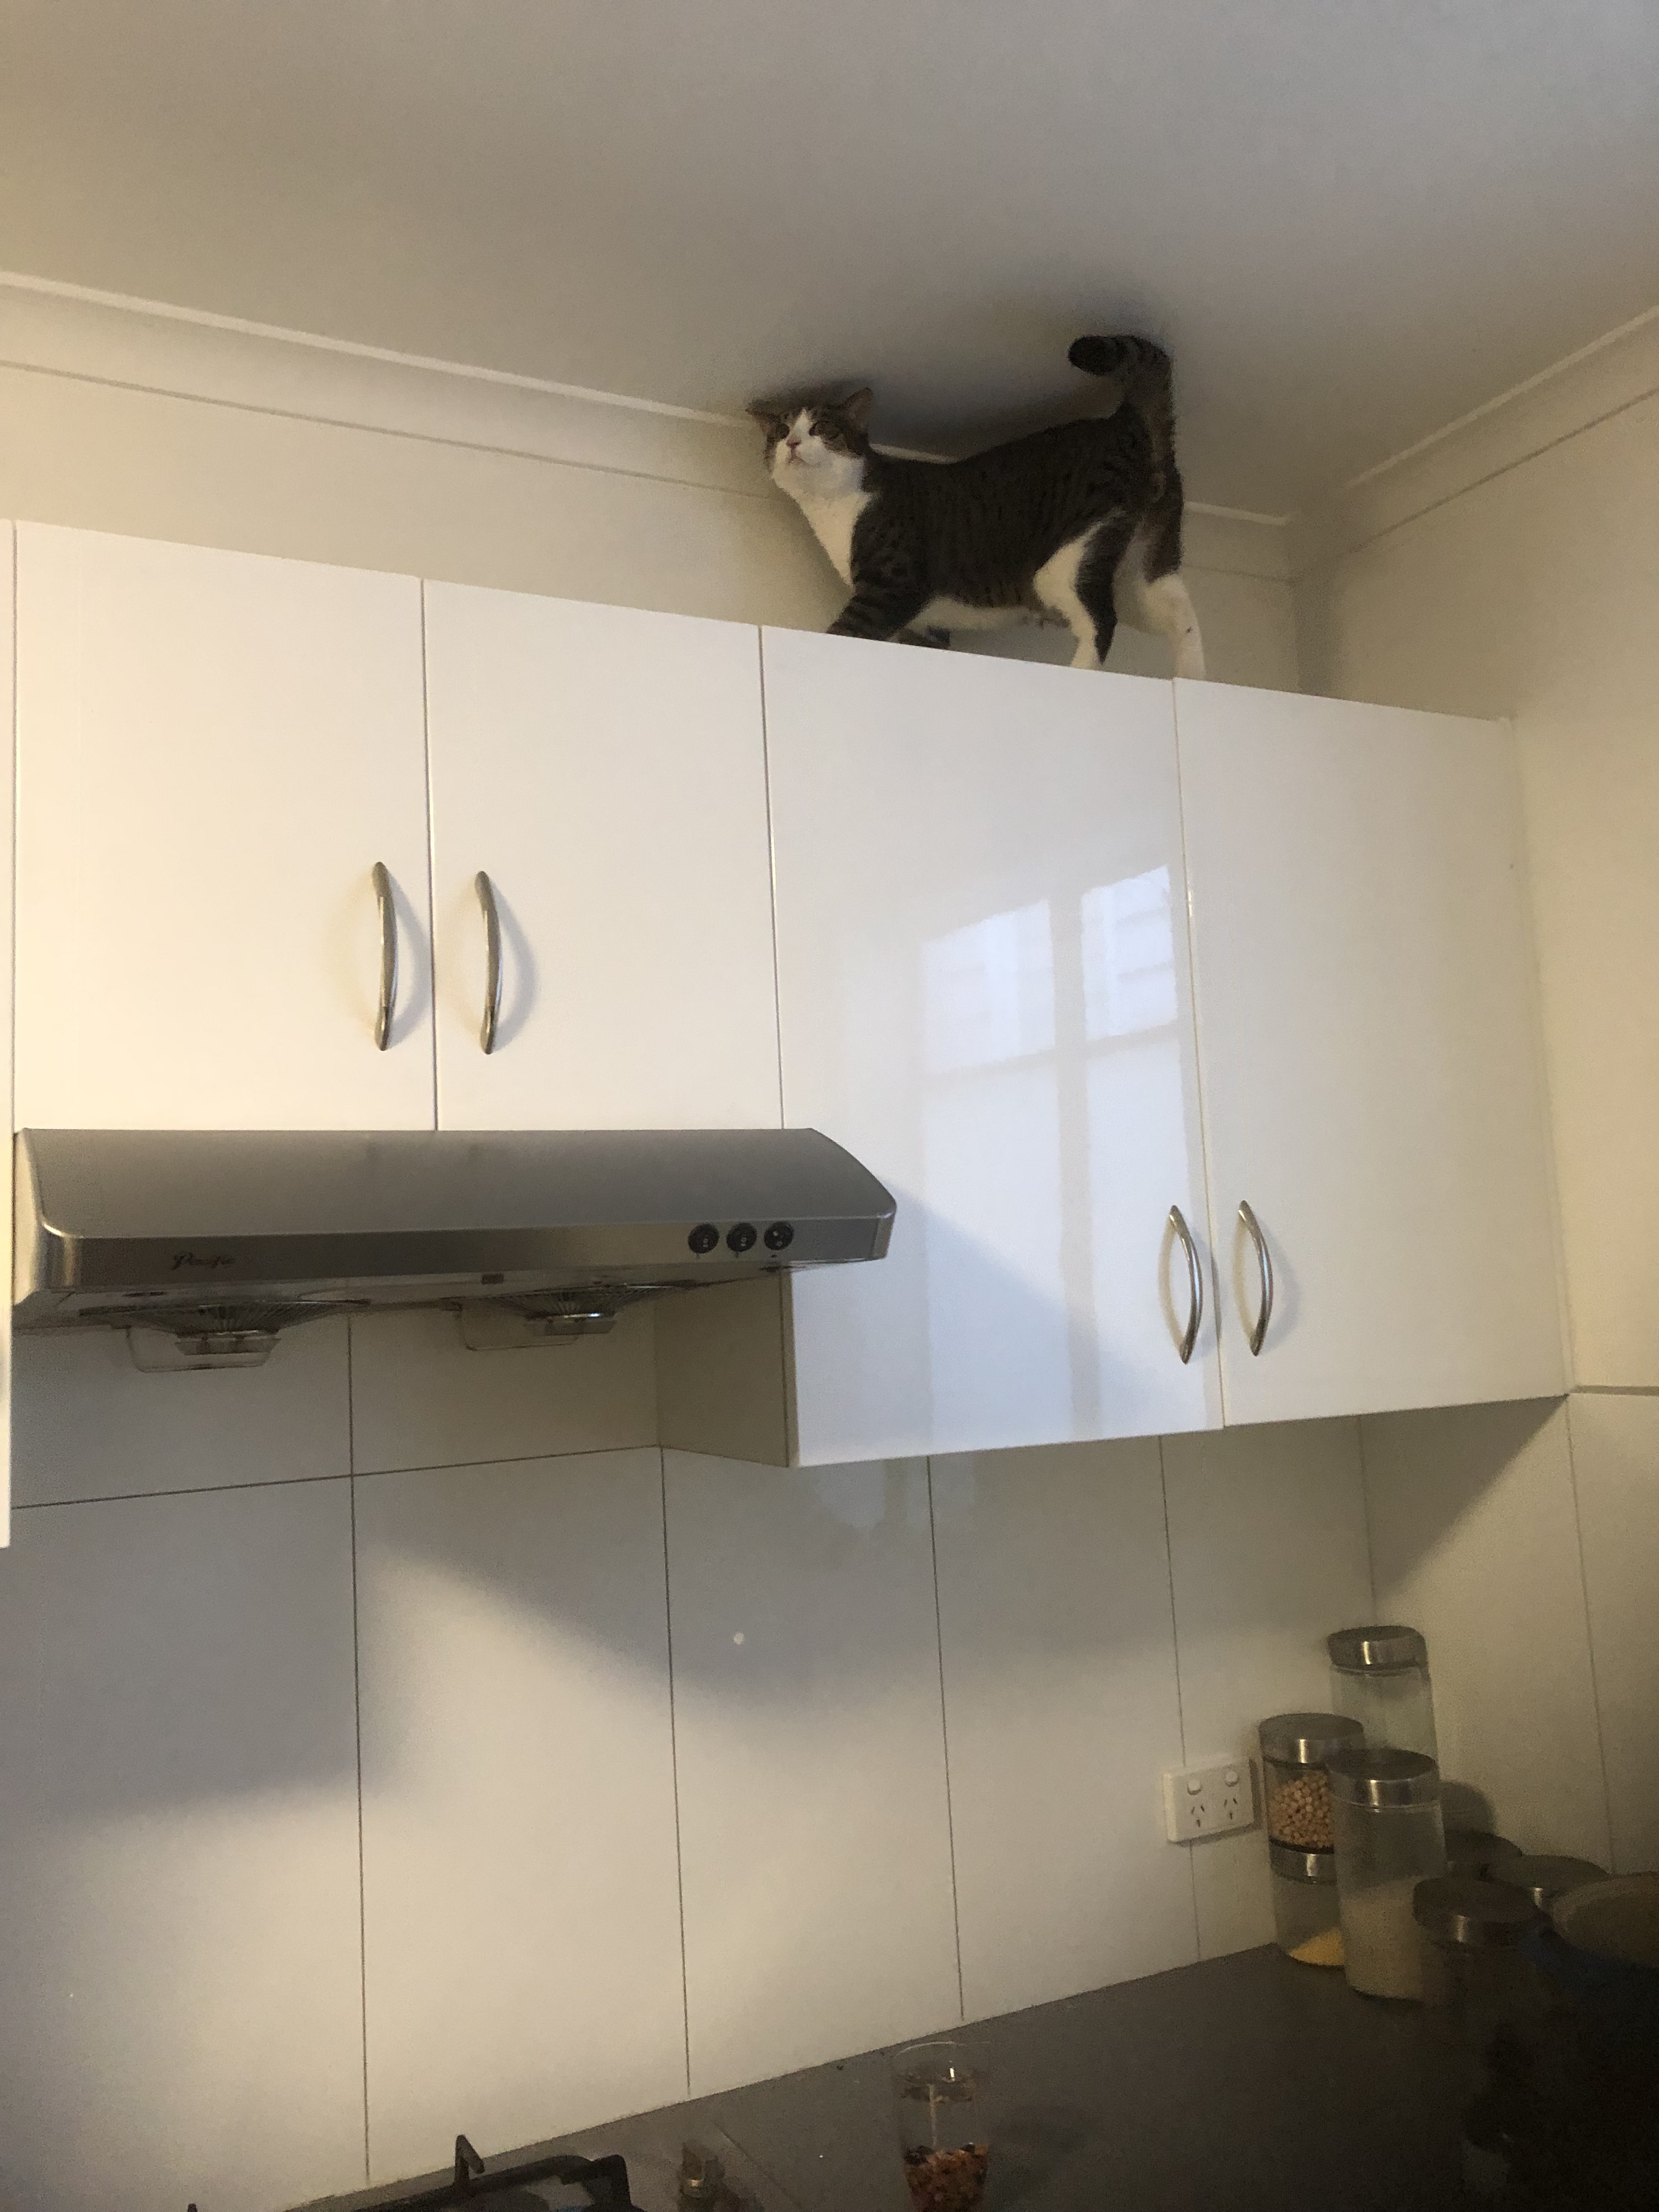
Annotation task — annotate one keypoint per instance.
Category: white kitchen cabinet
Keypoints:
(1368, 1043)
(605, 770)
(983, 993)
(214, 749)
(8, 725)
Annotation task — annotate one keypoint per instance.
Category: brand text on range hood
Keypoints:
(211, 1235)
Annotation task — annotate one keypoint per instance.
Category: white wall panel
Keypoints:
(521, 1929)
(1267, 1555)
(1474, 1539)
(815, 1836)
(1062, 1709)
(179, 1910)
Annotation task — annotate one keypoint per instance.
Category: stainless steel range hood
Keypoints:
(204, 1243)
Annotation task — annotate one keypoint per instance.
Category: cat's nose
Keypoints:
(793, 444)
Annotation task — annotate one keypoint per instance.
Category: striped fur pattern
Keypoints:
(1079, 525)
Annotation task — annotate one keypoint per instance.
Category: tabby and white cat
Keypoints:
(1081, 524)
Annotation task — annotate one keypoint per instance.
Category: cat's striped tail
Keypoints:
(1143, 370)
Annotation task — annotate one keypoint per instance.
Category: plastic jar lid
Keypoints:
(1383, 1779)
(1617, 1919)
(1389, 1649)
(1478, 1916)
(1308, 1739)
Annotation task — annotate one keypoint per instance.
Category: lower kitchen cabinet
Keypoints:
(1370, 1055)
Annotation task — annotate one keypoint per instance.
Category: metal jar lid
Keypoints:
(1293, 1865)
(1308, 1739)
(1478, 1916)
(1386, 1650)
(1545, 1879)
(1383, 1779)
(1477, 1851)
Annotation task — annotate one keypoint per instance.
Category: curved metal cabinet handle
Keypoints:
(492, 1009)
(382, 883)
(1264, 1268)
(1194, 1283)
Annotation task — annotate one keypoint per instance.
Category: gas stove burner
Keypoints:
(604, 2181)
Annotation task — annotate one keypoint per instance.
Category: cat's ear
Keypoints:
(857, 408)
(772, 419)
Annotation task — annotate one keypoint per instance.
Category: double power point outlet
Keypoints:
(1201, 1801)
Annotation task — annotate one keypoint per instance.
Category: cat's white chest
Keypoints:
(834, 520)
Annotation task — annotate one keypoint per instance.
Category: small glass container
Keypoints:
(941, 2137)
(1544, 1879)
(1294, 1749)
(1470, 1933)
(1385, 1811)
(1305, 1919)
(1380, 1676)
(1476, 1851)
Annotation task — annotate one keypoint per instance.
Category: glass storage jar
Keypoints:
(945, 2150)
(1294, 1749)
(1380, 1676)
(1385, 1814)
(1471, 1934)
(1305, 1919)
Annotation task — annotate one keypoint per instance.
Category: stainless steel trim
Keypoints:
(382, 882)
(492, 1010)
(1264, 1268)
(1194, 1284)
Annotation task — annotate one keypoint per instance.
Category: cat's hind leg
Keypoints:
(1076, 584)
(1097, 577)
(1162, 606)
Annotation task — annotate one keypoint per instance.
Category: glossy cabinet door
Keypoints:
(214, 750)
(605, 770)
(984, 994)
(1370, 1048)
(8, 709)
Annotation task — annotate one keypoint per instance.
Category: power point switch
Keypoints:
(1214, 1799)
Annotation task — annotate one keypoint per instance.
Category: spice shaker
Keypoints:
(1385, 1815)
(1380, 1676)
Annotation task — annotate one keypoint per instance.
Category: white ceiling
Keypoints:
(1352, 220)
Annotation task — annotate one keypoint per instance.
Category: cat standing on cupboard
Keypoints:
(1079, 525)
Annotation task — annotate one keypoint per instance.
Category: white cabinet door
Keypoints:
(214, 749)
(984, 994)
(605, 768)
(1369, 1044)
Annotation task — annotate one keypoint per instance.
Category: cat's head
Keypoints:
(816, 448)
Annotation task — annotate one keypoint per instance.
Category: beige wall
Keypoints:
(1513, 568)
(111, 419)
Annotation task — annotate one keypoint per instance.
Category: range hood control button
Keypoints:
(703, 1238)
(741, 1239)
(780, 1237)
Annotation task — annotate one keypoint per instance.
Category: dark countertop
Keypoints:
(1242, 2083)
